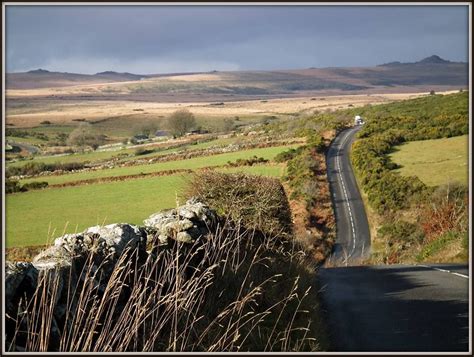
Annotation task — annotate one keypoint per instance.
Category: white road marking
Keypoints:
(341, 180)
(443, 270)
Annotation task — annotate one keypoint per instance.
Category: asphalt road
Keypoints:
(353, 235)
(392, 308)
(397, 308)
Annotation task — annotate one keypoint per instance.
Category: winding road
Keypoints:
(353, 235)
(390, 308)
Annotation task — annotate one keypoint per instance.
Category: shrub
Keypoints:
(12, 186)
(35, 185)
(247, 162)
(440, 243)
(256, 202)
(300, 170)
(35, 168)
(316, 142)
(446, 212)
(401, 232)
(288, 154)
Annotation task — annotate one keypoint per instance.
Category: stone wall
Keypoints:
(98, 249)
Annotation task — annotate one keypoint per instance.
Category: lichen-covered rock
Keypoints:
(114, 238)
(185, 224)
(106, 241)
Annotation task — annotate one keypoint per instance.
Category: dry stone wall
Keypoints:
(98, 248)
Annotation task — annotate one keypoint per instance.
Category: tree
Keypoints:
(228, 125)
(180, 122)
(148, 129)
(84, 136)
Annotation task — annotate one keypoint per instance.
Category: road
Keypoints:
(392, 308)
(397, 308)
(353, 235)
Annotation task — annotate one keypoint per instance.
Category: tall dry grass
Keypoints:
(234, 290)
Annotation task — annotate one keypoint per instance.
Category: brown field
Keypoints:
(65, 112)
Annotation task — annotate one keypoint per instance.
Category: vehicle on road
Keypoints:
(358, 120)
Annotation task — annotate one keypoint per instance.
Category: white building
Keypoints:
(358, 120)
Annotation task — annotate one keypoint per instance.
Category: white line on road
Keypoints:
(443, 270)
(338, 164)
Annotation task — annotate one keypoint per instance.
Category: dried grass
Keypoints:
(237, 290)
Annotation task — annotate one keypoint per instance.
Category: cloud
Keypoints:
(175, 38)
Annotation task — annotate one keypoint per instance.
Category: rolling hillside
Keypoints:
(431, 71)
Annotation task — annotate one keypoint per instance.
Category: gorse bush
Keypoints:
(307, 126)
(386, 190)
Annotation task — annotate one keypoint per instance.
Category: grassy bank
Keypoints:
(435, 162)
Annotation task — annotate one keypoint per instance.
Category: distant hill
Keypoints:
(429, 71)
(115, 76)
(434, 59)
(40, 78)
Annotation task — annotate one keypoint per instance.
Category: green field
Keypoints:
(435, 162)
(194, 163)
(272, 170)
(92, 156)
(31, 215)
(34, 216)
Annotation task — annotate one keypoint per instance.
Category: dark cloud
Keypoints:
(153, 39)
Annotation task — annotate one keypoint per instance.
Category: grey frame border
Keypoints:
(468, 4)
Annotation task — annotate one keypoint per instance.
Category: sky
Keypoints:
(165, 39)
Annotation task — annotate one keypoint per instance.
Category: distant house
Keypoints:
(140, 138)
(162, 133)
(358, 120)
(198, 131)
